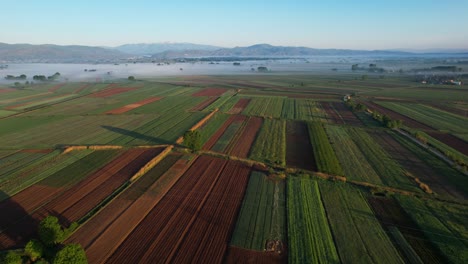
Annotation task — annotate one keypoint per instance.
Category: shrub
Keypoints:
(72, 253)
(50, 231)
(34, 249)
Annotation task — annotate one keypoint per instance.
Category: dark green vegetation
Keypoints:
(366, 193)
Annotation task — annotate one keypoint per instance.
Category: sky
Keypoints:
(349, 24)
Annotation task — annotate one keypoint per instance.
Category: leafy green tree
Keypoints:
(192, 139)
(131, 78)
(50, 231)
(11, 258)
(34, 249)
(72, 253)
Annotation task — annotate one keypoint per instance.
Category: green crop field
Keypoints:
(443, 224)
(270, 145)
(262, 216)
(351, 219)
(431, 116)
(353, 161)
(325, 157)
(310, 191)
(310, 237)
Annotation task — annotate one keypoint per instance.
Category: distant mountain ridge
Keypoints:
(87, 54)
(154, 48)
(56, 53)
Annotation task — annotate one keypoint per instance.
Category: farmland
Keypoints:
(287, 172)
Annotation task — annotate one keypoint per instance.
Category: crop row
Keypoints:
(262, 216)
(268, 106)
(325, 157)
(430, 116)
(310, 237)
(270, 145)
(443, 224)
(354, 163)
(388, 169)
(358, 235)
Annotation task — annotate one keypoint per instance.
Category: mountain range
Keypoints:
(90, 54)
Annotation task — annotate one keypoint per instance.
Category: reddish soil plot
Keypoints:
(244, 142)
(450, 140)
(210, 92)
(112, 91)
(6, 90)
(390, 213)
(346, 114)
(299, 152)
(77, 201)
(56, 87)
(103, 233)
(237, 255)
(129, 107)
(239, 106)
(397, 116)
(331, 113)
(416, 166)
(84, 86)
(212, 141)
(197, 214)
(205, 103)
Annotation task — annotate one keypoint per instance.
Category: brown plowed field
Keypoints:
(197, 214)
(390, 213)
(212, 141)
(397, 116)
(103, 233)
(246, 138)
(129, 107)
(299, 152)
(205, 103)
(346, 114)
(112, 91)
(237, 255)
(210, 92)
(416, 166)
(450, 140)
(77, 201)
(331, 113)
(239, 106)
(6, 90)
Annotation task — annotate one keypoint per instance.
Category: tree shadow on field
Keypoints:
(136, 135)
(13, 222)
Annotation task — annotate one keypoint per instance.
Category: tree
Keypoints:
(131, 78)
(34, 249)
(50, 231)
(355, 67)
(72, 253)
(192, 139)
(11, 258)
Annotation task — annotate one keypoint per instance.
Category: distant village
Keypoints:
(439, 79)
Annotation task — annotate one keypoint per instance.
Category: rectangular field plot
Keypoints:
(358, 235)
(310, 237)
(196, 214)
(433, 117)
(270, 145)
(299, 152)
(68, 198)
(261, 221)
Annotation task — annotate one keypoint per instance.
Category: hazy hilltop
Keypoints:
(81, 54)
(154, 48)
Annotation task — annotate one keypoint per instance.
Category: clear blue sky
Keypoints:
(366, 24)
